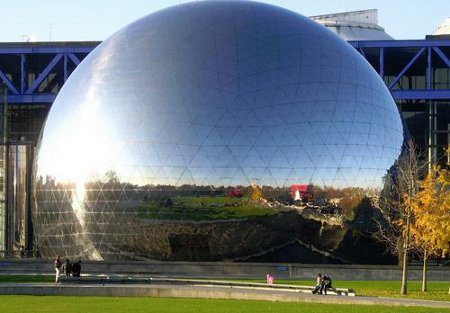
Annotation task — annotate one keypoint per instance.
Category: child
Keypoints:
(269, 279)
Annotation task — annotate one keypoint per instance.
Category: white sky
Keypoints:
(68, 20)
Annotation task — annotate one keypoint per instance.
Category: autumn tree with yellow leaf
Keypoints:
(431, 208)
(256, 192)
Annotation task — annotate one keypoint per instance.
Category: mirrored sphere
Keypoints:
(180, 137)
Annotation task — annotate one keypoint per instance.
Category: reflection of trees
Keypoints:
(257, 193)
(116, 196)
(54, 221)
(120, 216)
(347, 199)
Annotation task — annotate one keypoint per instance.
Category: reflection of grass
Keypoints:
(212, 201)
(203, 208)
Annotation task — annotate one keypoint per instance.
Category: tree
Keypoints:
(256, 192)
(431, 208)
(401, 185)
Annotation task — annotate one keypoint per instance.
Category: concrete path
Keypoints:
(206, 291)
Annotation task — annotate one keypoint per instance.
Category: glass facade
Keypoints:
(3, 213)
(18, 185)
(14, 198)
(182, 135)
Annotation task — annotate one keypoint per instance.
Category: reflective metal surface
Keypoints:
(152, 147)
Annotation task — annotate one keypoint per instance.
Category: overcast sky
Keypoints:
(64, 20)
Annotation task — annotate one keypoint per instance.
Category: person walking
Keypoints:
(57, 265)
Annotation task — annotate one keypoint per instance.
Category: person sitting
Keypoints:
(318, 283)
(326, 284)
(66, 268)
(76, 269)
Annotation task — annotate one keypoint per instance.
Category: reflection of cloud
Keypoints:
(78, 203)
(78, 206)
(72, 154)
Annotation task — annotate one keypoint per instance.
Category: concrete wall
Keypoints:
(231, 270)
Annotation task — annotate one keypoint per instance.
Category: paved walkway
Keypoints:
(204, 291)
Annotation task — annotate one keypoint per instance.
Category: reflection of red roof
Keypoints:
(235, 193)
(304, 191)
(301, 188)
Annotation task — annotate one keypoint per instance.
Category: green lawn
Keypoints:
(436, 290)
(30, 304)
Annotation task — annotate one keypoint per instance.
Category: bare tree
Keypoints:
(401, 185)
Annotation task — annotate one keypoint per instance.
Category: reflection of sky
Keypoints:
(177, 105)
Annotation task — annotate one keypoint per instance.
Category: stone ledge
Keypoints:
(118, 279)
(231, 270)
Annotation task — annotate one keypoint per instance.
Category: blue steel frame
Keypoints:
(60, 56)
(66, 53)
(427, 47)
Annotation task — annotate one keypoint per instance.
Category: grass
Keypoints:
(203, 208)
(209, 200)
(30, 304)
(436, 290)
(27, 279)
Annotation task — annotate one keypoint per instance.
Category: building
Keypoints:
(416, 72)
(355, 25)
(31, 75)
(165, 116)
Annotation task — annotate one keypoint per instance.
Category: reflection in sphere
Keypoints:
(180, 137)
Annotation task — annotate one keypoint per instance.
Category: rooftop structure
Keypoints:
(443, 30)
(355, 25)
